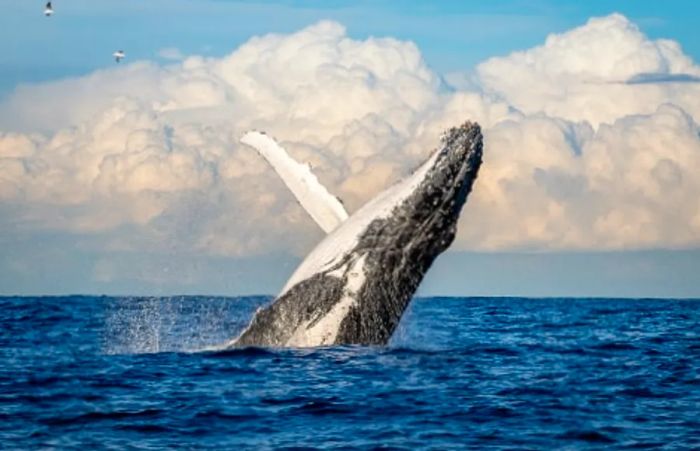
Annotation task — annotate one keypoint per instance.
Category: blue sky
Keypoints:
(453, 37)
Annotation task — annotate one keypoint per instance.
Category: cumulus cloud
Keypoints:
(578, 154)
(589, 73)
(564, 185)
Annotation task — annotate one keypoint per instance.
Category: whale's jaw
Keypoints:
(354, 287)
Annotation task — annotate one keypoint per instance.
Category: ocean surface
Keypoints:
(481, 373)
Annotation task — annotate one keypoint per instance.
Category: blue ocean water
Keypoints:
(485, 373)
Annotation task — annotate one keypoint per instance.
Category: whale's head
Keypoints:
(406, 237)
(428, 217)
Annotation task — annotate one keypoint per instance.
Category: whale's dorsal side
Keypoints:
(321, 205)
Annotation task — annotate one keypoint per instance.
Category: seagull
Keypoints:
(48, 10)
(119, 55)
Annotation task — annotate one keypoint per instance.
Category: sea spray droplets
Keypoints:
(135, 325)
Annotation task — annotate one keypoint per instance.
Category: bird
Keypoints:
(48, 10)
(119, 55)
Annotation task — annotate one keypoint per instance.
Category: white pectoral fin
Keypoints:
(322, 206)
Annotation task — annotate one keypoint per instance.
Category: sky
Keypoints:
(128, 178)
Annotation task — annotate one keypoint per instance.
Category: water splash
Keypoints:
(136, 325)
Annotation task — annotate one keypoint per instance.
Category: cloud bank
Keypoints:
(579, 154)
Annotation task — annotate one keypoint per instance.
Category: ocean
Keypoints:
(480, 373)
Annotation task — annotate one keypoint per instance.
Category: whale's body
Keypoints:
(355, 285)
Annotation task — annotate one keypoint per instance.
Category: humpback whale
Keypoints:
(355, 285)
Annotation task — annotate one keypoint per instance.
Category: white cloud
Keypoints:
(576, 157)
(630, 184)
(585, 74)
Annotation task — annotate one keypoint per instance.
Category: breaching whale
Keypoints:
(355, 285)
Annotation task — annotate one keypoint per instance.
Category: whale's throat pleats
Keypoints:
(322, 329)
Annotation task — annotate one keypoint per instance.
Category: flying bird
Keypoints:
(48, 10)
(119, 55)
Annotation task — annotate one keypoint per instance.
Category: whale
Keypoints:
(355, 285)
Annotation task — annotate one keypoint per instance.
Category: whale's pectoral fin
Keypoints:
(322, 206)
